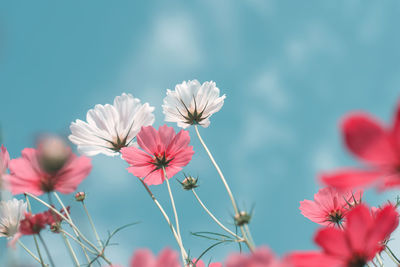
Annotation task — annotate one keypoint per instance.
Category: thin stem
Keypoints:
(173, 204)
(46, 249)
(29, 252)
(77, 241)
(228, 190)
(71, 251)
(247, 229)
(213, 217)
(34, 236)
(392, 255)
(92, 225)
(99, 253)
(75, 232)
(183, 252)
(378, 257)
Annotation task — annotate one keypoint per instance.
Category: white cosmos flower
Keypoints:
(111, 127)
(192, 103)
(11, 213)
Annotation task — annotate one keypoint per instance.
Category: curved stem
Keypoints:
(392, 255)
(92, 225)
(77, 241)
(183, 251)
(213, 217)
(73, 255)
(28, 251)
(228, 190)
(99, 253)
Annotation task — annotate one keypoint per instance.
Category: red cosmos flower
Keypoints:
(329, 206)
(354, 246)
(162, 149)
(262, 257)
(27, 174)
(166, 258)
(33, 223)
(200, 263)
(375, 145)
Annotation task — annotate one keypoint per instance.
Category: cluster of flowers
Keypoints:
(353, 235)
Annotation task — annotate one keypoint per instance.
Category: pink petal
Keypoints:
(149, 139)
(348, 179)
(359, 222)
(396, 127)
(168, 258)
(143, 258)
(333, 241)
(368, 140)
(312, 259)
(136, 157)
(166, 134)
(155, 178)
(181, 141)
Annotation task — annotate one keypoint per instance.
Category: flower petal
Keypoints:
(348, 179)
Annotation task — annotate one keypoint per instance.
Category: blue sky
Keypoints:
(290, 70)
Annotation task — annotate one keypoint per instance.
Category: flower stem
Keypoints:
(228, 190)
(92, 225)
(213, 217)
(29, 252)
(46, 249)
(99, 253)
(173, 204)
(77, 241)
(34, 236)
(392, 255)
(183, 251)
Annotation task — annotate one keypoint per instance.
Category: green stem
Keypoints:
(46, 249)
(92, 225)
(392, 255)
(29, 252)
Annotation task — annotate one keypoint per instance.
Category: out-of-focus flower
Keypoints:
(162, 149)
(33, 223)
(189, 182)
(111, 127)
(4, 159)
(27, 175)
(54, 220)
(329, 206)
(262, 257)
(11, 213)
(200, 263)
(357, 244)
(377, 146)
(242, 218)
(192, 103)
(166, 258)
(52, 153)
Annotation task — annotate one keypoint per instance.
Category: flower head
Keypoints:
(11, 213)
(166, 258)
(162, 149)
(376, 145)
(27, 174)
(329, 206)
(33, 223)
(362, 238)
(192, 103)
(111, 127)
(200, 263)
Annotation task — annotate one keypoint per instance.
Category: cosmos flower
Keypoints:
(28, 175)
(166, 258)
(200, 263)
(32, 224)
(329, 206)
(359, 242)
(161, 149)
(262, 257)
(111, 127)
(11, 213)
(192, 103)
(377, 146)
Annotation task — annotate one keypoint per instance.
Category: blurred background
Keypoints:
(290, 70)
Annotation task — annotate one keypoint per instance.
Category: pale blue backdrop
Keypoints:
(290, 70)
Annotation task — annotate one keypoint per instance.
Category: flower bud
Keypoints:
(80, 196)
(55, 227)
(189, 183)
(53, 153)
(242, 218)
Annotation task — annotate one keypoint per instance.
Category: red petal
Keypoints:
(368, 140)
(359, 222)
(348, 179)
(334, 242)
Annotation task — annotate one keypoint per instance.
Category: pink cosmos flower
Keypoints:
(354, 246)
(375, 145)
(262, 257)
(4, 159)
(200, 263)
(166, 258)
(27, 174)
(161, 149)
(329, 206)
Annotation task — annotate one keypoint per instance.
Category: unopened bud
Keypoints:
(242, 218)
(53, 153)
(55, 227)
(80, 196)
(189, 183)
